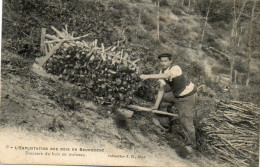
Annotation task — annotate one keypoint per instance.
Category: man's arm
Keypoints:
(171, 73)
(159, 97)
(155, 76)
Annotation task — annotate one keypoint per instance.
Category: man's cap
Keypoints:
(165, 55)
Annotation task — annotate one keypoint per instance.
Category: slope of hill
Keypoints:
(201, 43)
(48, 110)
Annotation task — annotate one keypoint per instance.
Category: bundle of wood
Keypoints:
(106, 74)
(232, 132)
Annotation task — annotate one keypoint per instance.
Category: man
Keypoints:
(183, 94)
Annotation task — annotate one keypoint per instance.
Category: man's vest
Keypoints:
(178, 84)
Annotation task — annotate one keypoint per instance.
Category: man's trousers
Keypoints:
(186, 113)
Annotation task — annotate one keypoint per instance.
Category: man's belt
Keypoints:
(189, 94)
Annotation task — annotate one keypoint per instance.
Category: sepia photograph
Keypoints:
(170, 83)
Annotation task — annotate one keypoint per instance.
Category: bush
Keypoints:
(163, 37)
(148, 21)
(25, 18)
(241, 66)
(178, 11)
(219, 10)
(249, 94)
(162, 2)
(136, 1)
(216, 70)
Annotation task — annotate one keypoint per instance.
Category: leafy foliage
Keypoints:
(219, 10)
(24, 20)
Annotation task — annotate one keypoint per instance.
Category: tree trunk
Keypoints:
(248, 73)
(42, 41)
(234, 32)
(231, 69)
(250, 43)
(189, 5)
(235, 80)
(158, 21)
(205, 24)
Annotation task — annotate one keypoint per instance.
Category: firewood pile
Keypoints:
(106, 74)
(232, 132)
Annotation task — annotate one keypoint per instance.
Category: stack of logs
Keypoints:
(232, 132)
(107, 75)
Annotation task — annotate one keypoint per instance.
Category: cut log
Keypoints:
(42, 41)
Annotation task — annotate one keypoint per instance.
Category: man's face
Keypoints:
(165, 62)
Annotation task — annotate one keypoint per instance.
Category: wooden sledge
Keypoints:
(139, 108)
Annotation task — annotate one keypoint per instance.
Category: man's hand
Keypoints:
(144, 77)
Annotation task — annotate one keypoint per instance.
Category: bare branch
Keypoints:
(205, 24)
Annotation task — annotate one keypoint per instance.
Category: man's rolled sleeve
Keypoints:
(174, 71)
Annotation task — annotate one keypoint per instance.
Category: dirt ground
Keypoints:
(37, 105)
